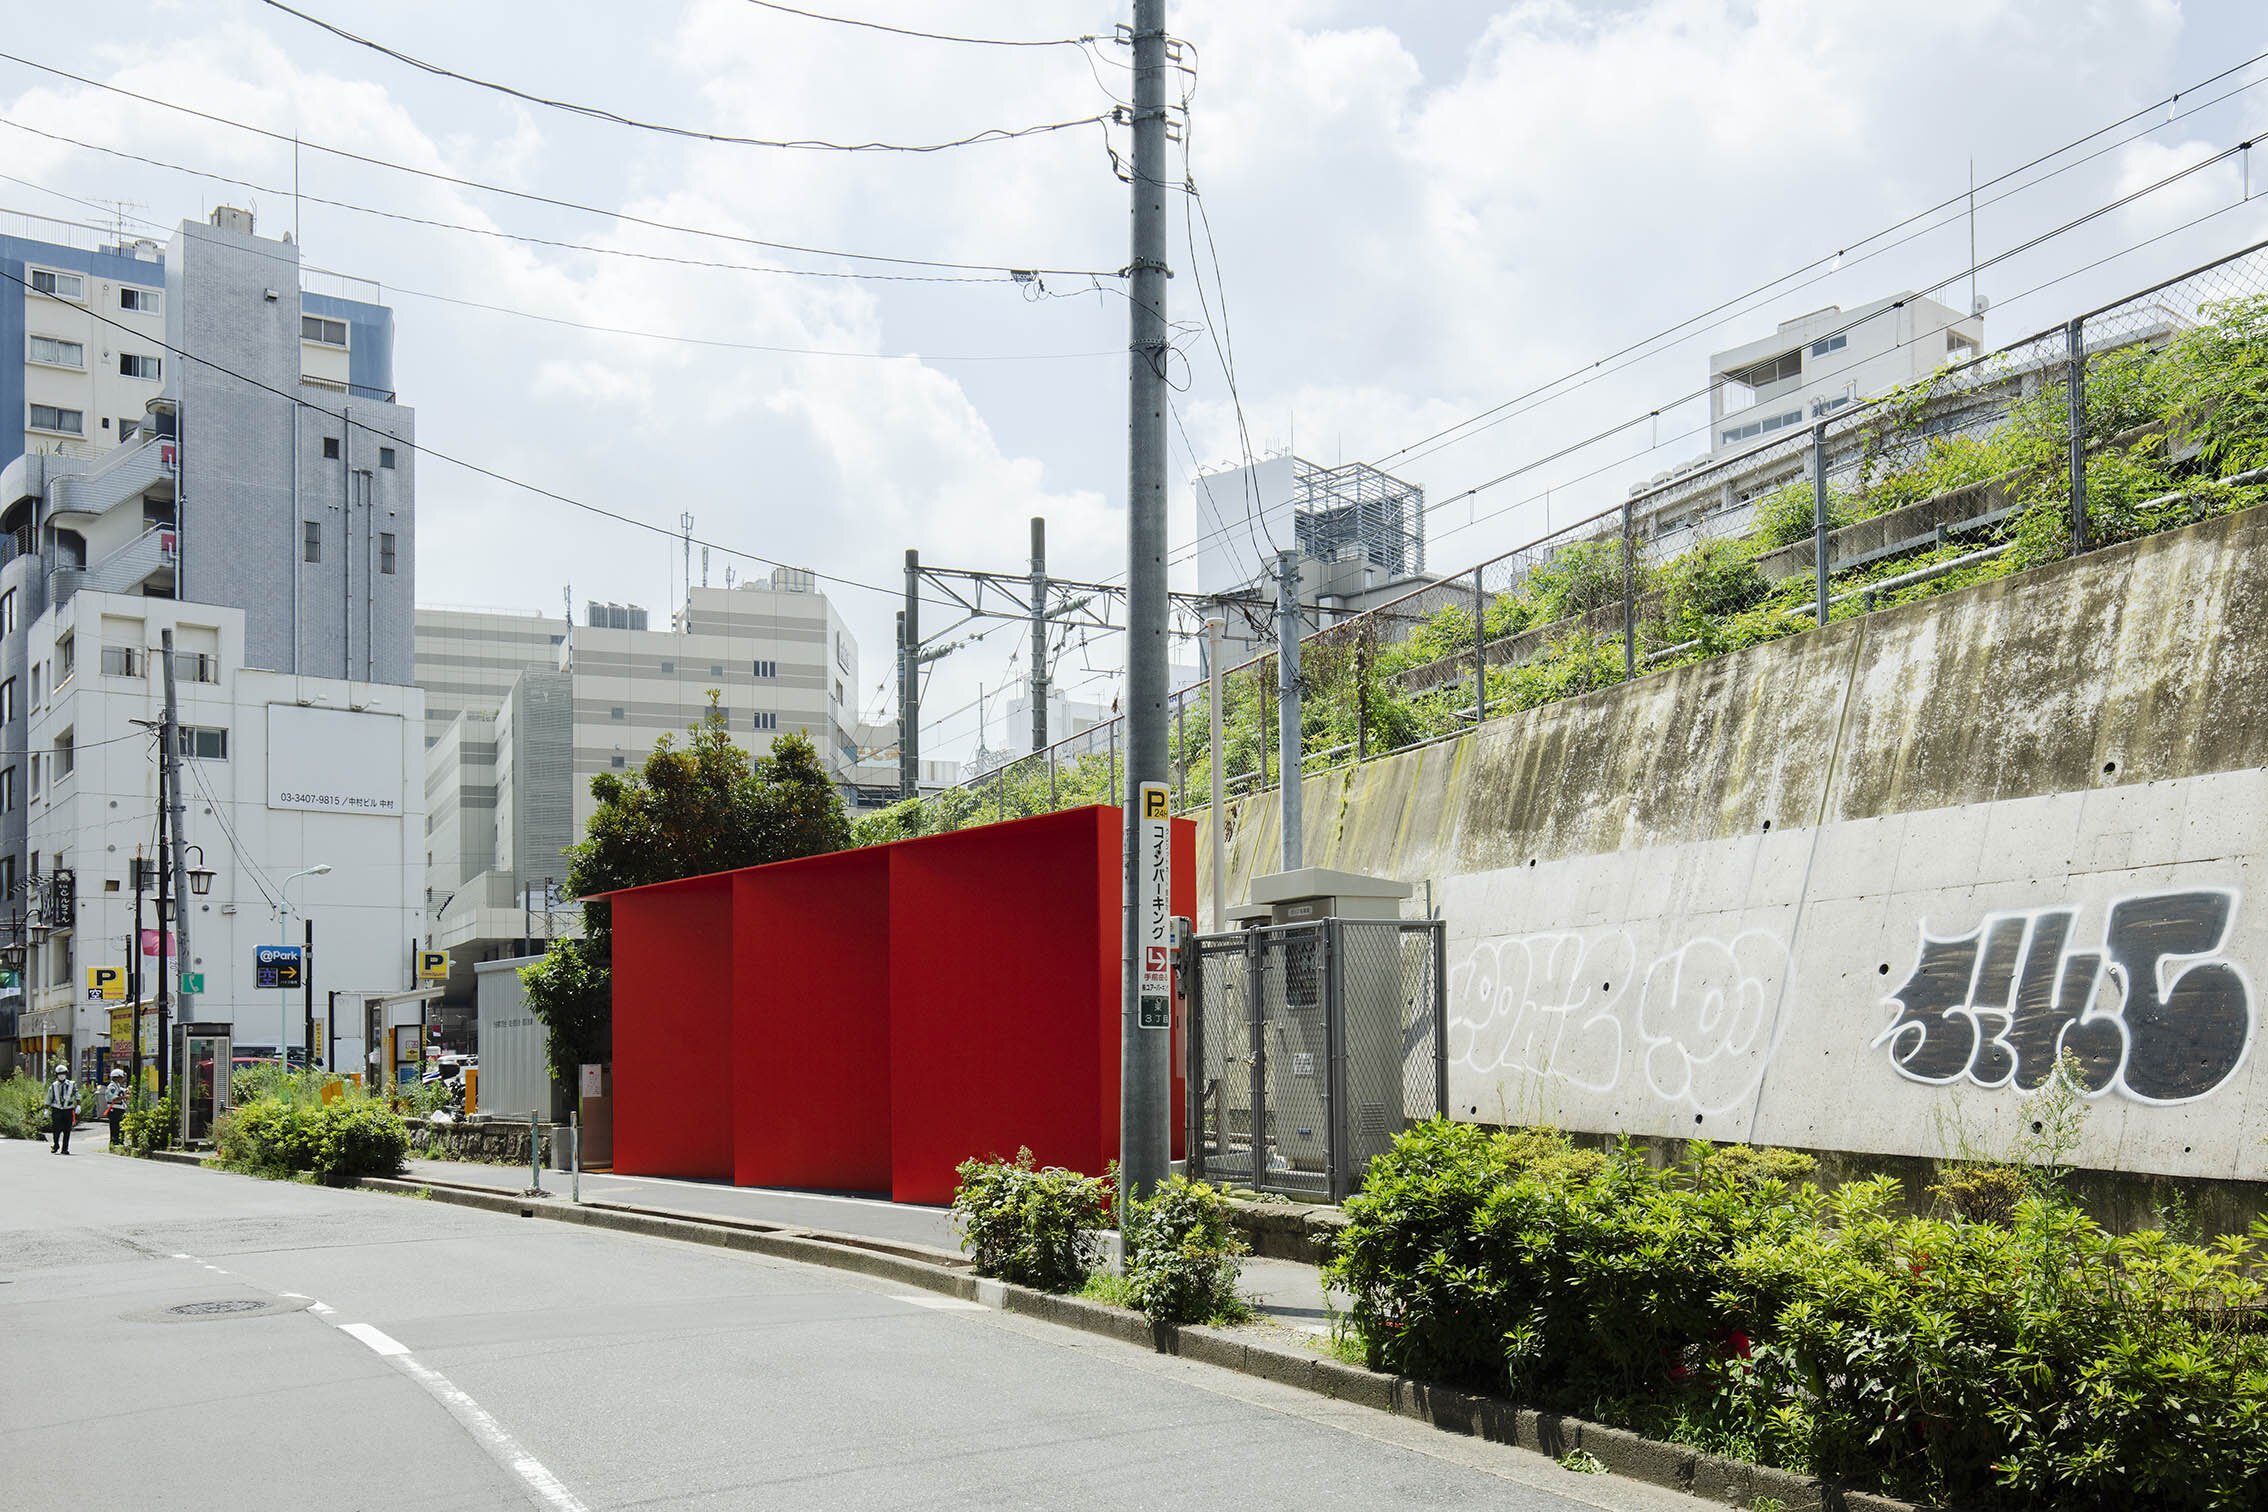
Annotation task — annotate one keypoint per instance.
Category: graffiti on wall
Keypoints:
(1696, 1026)
(2154, 1011)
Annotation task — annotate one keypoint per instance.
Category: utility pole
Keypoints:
(134, 976)
(170, 760)
(909, 682)
(306, 995)
(1145, 1054)
(1216, 820)
(1039, 634)
(164, 929)
(1288, 761)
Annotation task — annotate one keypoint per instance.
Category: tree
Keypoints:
(707, 806)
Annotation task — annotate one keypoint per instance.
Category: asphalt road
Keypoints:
(385, 1352)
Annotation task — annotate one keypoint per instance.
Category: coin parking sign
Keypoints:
(276, 966)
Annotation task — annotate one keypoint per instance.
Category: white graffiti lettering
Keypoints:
(1569, 1008)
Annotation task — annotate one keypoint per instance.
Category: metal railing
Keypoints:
(2119, 422)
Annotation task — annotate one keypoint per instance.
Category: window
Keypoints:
(618, 763)
(61, 285)
(196, 666)
(8, 702)
(1770, 371)
(385, 456)
(133, 365)
(66, 658)
(144, 300)
(386, 552)
(716, 670)
(1828, 344)
(127, 425)
(122, 661)
(1828, 406)
(38, 689)
(322, 332)
(616, 713)
(67, 422)
(1760, 427)
(199, 743)
(8, 612)
(35, 774)
(668, 667)
(767, 669)
(767, 720)
(330, 448)
(66, 755)
(56, 352)
(7, 790)
(311, 540)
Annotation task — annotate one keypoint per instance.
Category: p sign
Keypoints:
(106, 984)
(433, 965)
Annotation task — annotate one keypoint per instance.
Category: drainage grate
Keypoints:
(217, 1309)
(210, 1308)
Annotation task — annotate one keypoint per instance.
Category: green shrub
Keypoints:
(1724, 1302)
(1031, 1226)
(336, 1142)
(1982, 1193)
(1181, 1254)
(150, 1126)
(1784, 516)
(23, 1108)
(1748, 1163)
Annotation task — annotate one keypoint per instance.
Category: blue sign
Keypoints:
(276, 965)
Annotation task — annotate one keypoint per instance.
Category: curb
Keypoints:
(1493, 1419)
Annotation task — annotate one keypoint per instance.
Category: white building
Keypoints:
(281, 773)
(271, 522)
(1815, 364)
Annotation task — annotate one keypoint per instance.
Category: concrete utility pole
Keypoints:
(1145, 1054)
(909, 683)
(1218, 822)
(170, 758)
(1287, 705)
(1039, 634)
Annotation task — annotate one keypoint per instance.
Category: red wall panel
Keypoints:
(811, 1023)
(673, 1029)
(868, 1020)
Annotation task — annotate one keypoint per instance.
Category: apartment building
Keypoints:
(251, 485)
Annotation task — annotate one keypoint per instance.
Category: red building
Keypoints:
(867, 1020)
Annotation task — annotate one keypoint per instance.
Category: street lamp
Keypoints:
(306, 980)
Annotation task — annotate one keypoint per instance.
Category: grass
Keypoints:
(1109, 1288)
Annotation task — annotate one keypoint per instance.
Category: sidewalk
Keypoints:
(1288, 1294)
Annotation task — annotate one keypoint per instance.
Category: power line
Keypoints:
(1186, 553)
(515, 236)
(616, 118)
(420, 448)
(926, 36)
(551, 201)
(1830, 261)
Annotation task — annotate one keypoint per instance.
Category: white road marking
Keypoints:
(184, 1257)
(319, 1307)
(944, 1304)
(295, 1296)
(378, 1342)
(475, 1419)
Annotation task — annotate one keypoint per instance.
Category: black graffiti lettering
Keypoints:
(2187, 1035)
(2006, 1002)
(1934, 1040)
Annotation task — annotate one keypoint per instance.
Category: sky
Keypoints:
(1411, 213)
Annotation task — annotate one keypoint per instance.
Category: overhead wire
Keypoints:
(553, 201)
(926, 36)
(478, 469)
(1829, 261)
(616, 118)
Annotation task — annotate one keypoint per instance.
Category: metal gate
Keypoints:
(1311, 1046)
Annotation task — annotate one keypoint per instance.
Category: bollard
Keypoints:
(535, 1151)
(575, 1155)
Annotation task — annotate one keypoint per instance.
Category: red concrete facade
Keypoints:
(867, 1020)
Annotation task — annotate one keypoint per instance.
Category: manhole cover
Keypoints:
(218, 1307)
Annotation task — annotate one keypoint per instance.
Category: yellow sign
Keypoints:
(1154, 801)
(122, 1031)
(106, 984)
(433, 965)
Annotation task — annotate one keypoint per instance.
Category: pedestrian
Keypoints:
(62, 1107)
(114, 1101)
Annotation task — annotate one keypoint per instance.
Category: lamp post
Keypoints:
(306, 973)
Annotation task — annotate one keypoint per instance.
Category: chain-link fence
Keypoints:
(1974, 473)
(1311, 1047)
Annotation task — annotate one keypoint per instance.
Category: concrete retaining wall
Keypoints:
(1856, 890)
